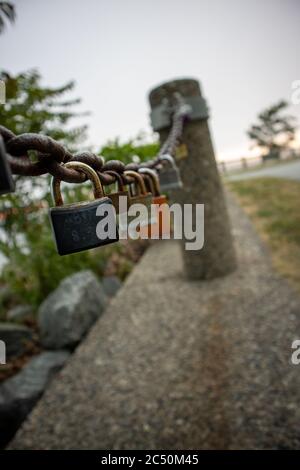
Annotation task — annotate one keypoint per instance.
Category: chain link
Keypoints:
(51, 155)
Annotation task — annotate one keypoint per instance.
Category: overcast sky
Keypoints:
(244, 52)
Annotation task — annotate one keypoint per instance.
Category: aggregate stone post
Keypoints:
(201, 185)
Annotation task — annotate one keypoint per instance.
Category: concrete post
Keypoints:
(202, 184)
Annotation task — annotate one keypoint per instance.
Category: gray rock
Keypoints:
(19, 312)
(111, 285)
(68, 313)
(16, 338)
(19, 393)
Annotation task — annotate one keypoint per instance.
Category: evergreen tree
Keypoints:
(274, 131)
(134, 150)
(30, 107)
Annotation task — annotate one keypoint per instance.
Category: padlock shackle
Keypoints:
(149, 184)
(153, 178)
(119, 179)
(139, 179)
(168, 158)
(88, 171)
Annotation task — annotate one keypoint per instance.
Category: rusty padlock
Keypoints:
(119, 205)
(7, 184)
(138, 192)
(161, 228)
(75, 225)
(139, 195)
(169, 176)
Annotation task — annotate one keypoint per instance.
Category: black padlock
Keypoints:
(7, 184)
(75, 225)
(169, 176)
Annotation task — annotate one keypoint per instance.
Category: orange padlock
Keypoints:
(161, 227)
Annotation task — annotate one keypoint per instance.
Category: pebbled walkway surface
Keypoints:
(174, 364)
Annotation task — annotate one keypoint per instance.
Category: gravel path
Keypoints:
(174, 364)
(289, 170)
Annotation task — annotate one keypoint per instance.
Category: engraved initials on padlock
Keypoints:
(75, 226)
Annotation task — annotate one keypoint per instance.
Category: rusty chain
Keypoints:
(51, 155)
